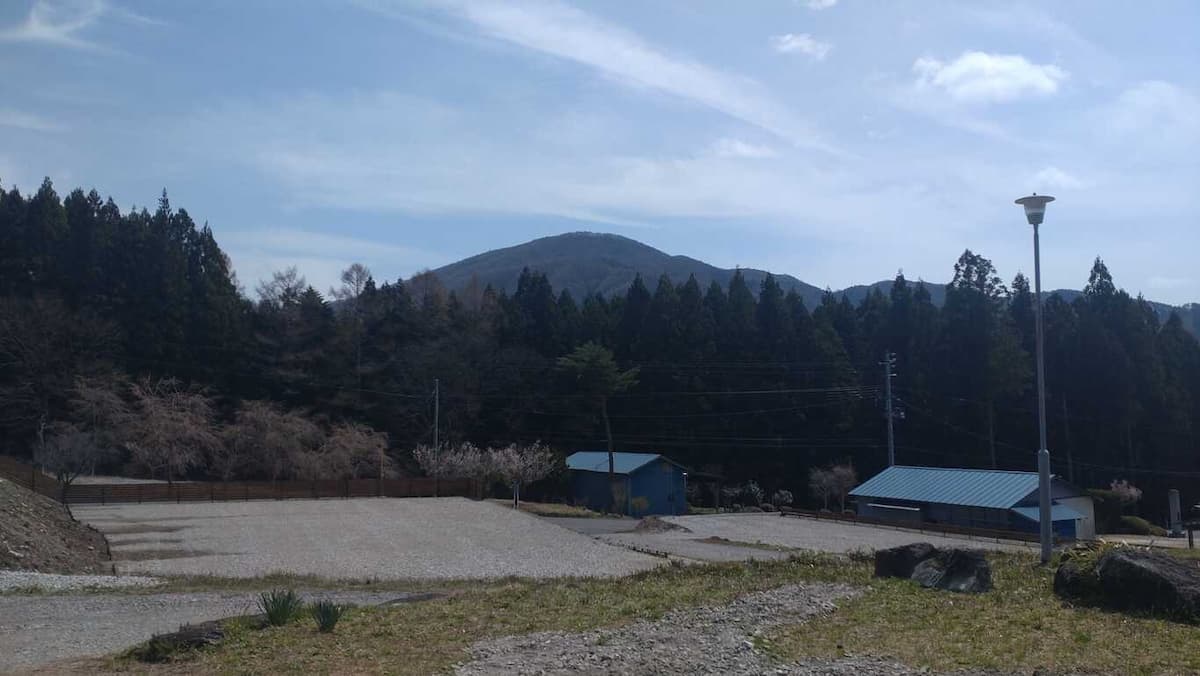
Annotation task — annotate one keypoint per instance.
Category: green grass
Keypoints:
(1019, 625)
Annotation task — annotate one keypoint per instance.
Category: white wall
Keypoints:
(1085, 528)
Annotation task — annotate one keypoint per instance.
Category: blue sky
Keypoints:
(838, 141)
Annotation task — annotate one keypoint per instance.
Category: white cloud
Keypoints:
(980, 77)
(60, 23)
(27, 121)
(732, 147)
(803, 43)
(1158, 112)
(818, 5)
(569, 33)
(1053, 177)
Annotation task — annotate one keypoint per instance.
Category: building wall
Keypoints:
(592, 489)
(657, 488)
(1085, 528)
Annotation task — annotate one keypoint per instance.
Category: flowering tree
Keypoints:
(821, 483)
(464, 461)
(519, 465)
(844, 479)
(1126, 492)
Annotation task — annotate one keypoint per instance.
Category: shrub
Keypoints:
(752, 494)
(782, 497)
(767, 507)
(1136, 525)
(326, 613)
(280, 606)
(1107, 505)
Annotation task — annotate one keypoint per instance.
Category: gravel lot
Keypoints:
(708, 640)
(368, 538)
(36, 630)
(799, 533)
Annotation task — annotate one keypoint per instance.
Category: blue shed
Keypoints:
(975, 498)
(652, 483)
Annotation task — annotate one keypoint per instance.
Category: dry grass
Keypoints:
(554, 509)
(1019, 625)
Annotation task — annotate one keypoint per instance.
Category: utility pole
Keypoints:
(436, 411)
(889, 365)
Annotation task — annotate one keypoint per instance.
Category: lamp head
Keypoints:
(1035, 207)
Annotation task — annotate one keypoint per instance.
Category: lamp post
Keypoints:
(1035, 210)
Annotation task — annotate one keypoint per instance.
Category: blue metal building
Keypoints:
(994, 499)
(653, 483)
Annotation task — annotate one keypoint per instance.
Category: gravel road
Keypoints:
(368, 538)
(706, 640)
(11, 580)
(36, 630)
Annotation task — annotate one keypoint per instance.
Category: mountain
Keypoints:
(590, 262)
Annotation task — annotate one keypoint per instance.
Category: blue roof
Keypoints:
(968, 487)
(597, 461)
(1057, 513)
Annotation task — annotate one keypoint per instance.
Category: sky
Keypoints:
(839, 141)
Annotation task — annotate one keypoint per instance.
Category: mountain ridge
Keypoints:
(584, 263)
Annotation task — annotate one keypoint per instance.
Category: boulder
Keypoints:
(959, 570)
(1125, 578)
(901, 561)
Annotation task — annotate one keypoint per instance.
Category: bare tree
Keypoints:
(101, 411)
(173, 430)
(844, 480)
(284, 288)
(354, 281)
(354, 450)
(821, 484)
(270, 440)
(67, 452)
(520, 465)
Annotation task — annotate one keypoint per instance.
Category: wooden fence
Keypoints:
(28, 476)
(935, 528)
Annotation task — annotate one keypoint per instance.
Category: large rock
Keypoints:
(901, 561)
(960, 570)
(1124, 578)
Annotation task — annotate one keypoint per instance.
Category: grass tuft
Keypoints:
(326, 614)
(280, 606)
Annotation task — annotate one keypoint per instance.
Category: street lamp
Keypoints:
(1035, 210)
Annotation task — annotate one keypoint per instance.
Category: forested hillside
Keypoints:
(755, 385)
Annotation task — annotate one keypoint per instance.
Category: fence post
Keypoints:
(246, 491)
(345, 489)
(103, 500)
(176, 493)
(139, 493)
(211, 492)
(314, 490)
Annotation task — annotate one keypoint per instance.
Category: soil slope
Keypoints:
(37, 533)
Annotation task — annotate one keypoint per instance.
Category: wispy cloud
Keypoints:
(818, 5)
(980, 77)
(732, 147)
(61, 24)
(1053, 177)
(802, 43)
(319, 256)
(28, 121)
(574, 35)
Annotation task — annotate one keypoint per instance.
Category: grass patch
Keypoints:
(718, 540)
(1019, 625)
(430, 637)
(555, 509)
